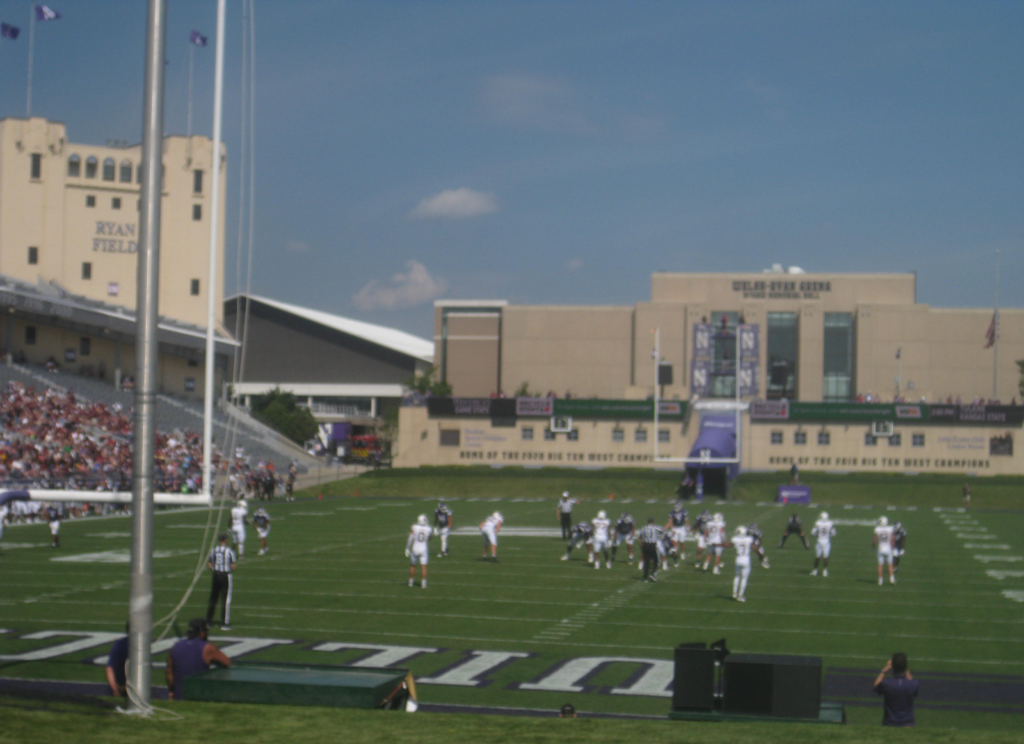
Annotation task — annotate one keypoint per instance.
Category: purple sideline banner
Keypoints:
(794, 495)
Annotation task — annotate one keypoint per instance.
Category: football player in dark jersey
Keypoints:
(261, 520)
(755, 532)
(676, 527)
(794, 527)
(581, 534)
(442, 526)
(624, 532)
(899, 539)
(53, 516)
(699, 528)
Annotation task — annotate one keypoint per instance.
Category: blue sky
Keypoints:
(559, 152)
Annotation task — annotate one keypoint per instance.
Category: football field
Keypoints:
(533, 631)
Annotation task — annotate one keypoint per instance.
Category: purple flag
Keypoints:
(45, 13)
(8, 31)
(197, 38)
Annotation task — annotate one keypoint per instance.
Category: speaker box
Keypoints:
(773, 685)
(694, 684)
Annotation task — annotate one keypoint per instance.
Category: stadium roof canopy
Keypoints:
(391, 338)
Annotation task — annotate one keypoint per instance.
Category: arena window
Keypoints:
(115, 203)
(87, 270)
(824, 438)
(573, 436)
(90, 167)
(799, 437)
(618, 435)
(90, 201)
(74, 166)
(640, 436)
(37, 166)
(870, 440)
(917, 440)
(197, 182)
(84, 346)
(194, 288)
(108, 169)
(549, 436)
(664, 435)
(30, 335)
(450, 437)
(126, 172)
(776, 437)
(527, 433)
(33, 255)
(197, 212)
(895, 440)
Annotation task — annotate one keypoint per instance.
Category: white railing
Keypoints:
(334, 409)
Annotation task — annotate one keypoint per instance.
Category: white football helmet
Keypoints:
(719, 517)
(497, 515)
(883, 521)
(824, 516)
(242, 504)
(565, 494)
(602, 515)
(741, 532)
(422, 520)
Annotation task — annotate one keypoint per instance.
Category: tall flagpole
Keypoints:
(211, 285)
(31, 45)
(191, 54)
(995, 330)
(140, 613)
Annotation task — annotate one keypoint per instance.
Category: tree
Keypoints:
(279, 410)
(523, 391)
(425, 383)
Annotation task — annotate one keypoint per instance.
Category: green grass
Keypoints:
(336, 573)
(212, 722)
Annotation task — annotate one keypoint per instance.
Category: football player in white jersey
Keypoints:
(490, 528)
(883, 542)
(602, 525)
(824, 531)
(238, 522)
(417, 550)
(715, 532)
(744, 545)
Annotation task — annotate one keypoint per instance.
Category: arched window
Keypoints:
(90, 167)
(126, 171)
(108, 169)
(74, 166)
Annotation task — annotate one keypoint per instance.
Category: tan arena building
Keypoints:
(69, 213)
(69, 230)
(812, 345)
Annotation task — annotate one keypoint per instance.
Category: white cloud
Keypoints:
(574, 264)
(455, 204)
(535, 102)
(297, 246)
(414, 286)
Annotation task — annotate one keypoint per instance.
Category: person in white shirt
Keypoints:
(490, 528)
(824, 531)
(417, 551)
(715, 532)
(238, 522)
(744, 545)
(601, 525)
(883, 542)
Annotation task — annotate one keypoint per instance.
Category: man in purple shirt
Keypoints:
(191, 655)
(898, 692)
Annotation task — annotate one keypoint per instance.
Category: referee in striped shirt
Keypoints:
(650, 535)
(222, 562)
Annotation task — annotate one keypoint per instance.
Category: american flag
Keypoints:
(45, 13)
(8, 31)
(197, 38)
(992, 334)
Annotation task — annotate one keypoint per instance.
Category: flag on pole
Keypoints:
(197, 38)
(46, 13)
(8, 31)
(993, 331)
(899, 351)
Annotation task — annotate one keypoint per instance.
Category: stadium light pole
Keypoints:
(657, 363)
(140, 612)
(211, 283)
